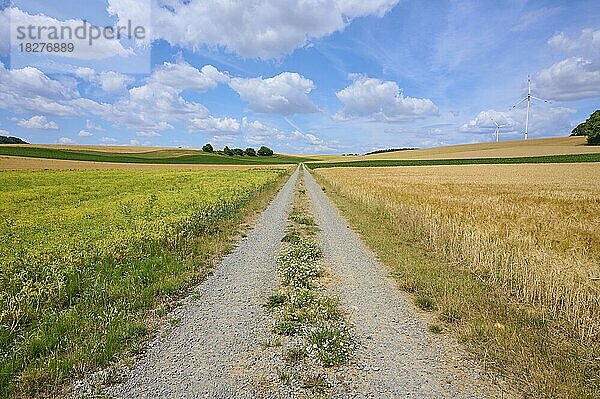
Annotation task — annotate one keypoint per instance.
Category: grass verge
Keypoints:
(540, 353)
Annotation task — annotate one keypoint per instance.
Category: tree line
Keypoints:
(249, 152)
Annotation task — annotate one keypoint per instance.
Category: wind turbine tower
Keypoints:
(497, 132)
(528, 98)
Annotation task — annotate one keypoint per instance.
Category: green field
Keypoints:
(87, 258)
(572, 158)
(175, 156)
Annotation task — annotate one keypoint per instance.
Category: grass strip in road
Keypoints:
(176, 156)
(318, 338)
(537, 351)
(569, 158)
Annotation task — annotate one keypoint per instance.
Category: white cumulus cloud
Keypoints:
(285, 94)
(89, 125)
(381, 100)
(183, 76)
(542, 121)
(571, 79)
(65, 140)
(110, 82)
(30, 90)
(39, 122)
(213, 124)
(254, 28)
(114, 82)
(84, 133)
(576, 77)
(100, 49)
(588, 43)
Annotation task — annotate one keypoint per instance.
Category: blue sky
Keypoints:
(312, 76)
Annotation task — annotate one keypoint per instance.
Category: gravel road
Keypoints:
(398, 356)
(216, 349)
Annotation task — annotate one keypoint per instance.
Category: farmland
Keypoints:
(26, 163)
(366, 162)
(506, 255)
(503, 149)
(147, 156)
(549, 150)
(90, 258)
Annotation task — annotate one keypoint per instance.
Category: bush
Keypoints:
(227, 151)
(265, 151)
(208, 148)
(251, 152)
(238, 151)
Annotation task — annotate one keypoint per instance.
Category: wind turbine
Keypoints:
(528, 98)
(497, 132)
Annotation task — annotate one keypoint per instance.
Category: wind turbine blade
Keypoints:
(524, 99)
(541, 99)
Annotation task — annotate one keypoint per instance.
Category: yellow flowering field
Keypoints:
(85, 254)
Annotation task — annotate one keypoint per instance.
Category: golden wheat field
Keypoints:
(503, 149)
(532, 228)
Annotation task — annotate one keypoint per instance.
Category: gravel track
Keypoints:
(216, 349)
(397, 355)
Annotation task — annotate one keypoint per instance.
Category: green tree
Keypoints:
(251, 152)
(264, 151)
(227, 151)
(208, 148)
(579, 130)
(592, 128)
(11, 140)
(238, 151)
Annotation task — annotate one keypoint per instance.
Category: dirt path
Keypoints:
(398, 356)
(215, 351)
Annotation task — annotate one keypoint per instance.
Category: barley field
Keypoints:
(533, 229)
(86, 255)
